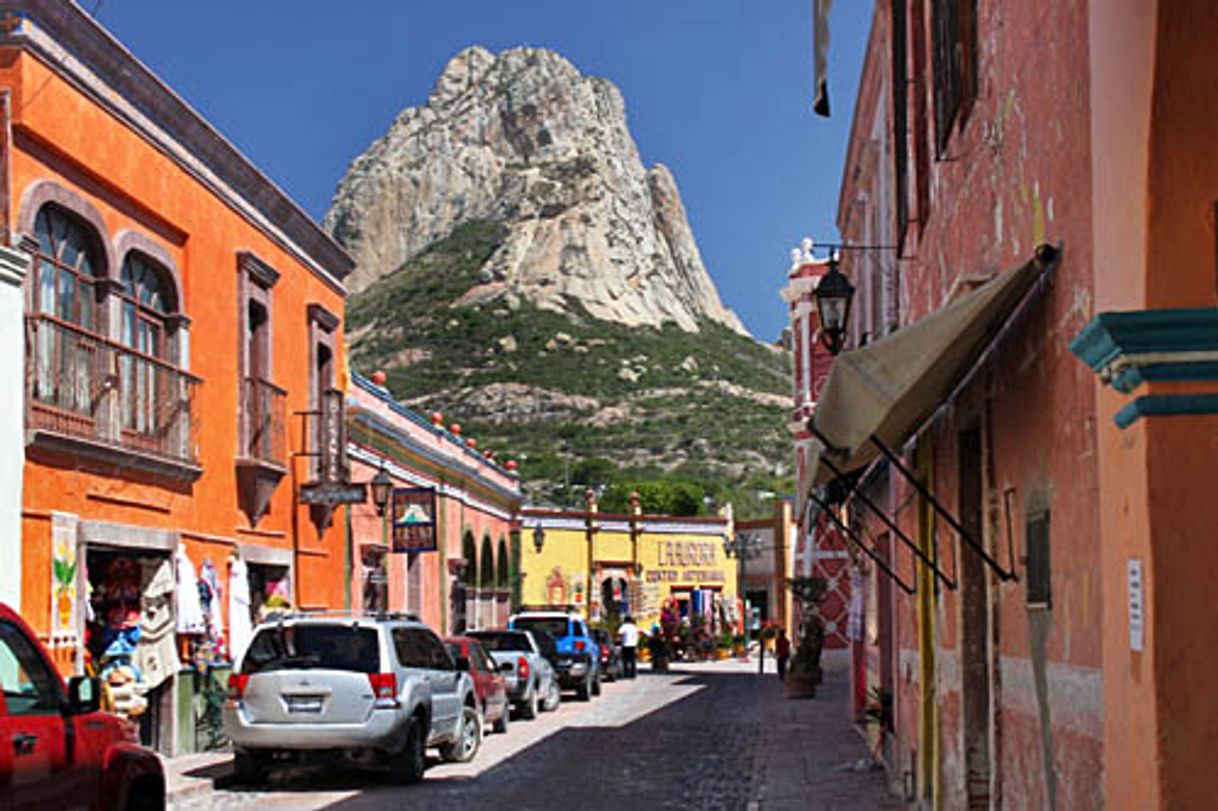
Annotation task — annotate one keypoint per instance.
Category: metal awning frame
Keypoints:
(850, 535)
(854, 490)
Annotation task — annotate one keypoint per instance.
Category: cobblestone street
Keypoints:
(702, 736)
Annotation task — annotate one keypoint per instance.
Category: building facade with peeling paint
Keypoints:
(1037, 469)
(970, 147)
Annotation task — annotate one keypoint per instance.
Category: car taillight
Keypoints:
(384, 685)
(522, 668)
(236, 685)
(604, 654)
(580, 645)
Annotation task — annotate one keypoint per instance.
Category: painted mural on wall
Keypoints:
(63, 581)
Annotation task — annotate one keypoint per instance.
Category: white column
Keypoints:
(13, 267)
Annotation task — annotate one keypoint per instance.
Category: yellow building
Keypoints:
(597, 562)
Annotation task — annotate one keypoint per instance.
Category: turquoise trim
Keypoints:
(1129, 378)
(1165, 405)
(1113, 334)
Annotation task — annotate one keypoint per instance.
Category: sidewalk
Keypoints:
(809, 749)
(190, 775)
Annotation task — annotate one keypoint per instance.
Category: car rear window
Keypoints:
(313, 647)
(503, 641)
(554, 626)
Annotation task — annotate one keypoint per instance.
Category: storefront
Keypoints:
(128, 622)
(637, 564)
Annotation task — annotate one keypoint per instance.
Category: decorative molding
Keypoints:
(258, 270)
(1127, 349)
(127, 536)
(1166, 405)
(42, 192)
(325, 319)
(121, 457)
(256, 484)
(14, 266)
(265, 555)
(128, 240)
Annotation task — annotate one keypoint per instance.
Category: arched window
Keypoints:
(469, 554)
(504, 564)
(66, 265)
(147, 301)
(66, 268)
(144, 375)
(486, 577)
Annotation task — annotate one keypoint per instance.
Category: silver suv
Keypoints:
(377, 689)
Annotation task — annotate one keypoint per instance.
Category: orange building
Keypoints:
(182, 333)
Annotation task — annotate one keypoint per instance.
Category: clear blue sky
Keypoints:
(718, 90)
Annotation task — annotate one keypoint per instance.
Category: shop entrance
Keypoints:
(130, 637)
(270, 590)
(375, 579)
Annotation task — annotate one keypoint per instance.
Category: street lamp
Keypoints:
(382, 487)
(744, 546)
(833, 295)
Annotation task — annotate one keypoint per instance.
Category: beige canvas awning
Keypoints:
(889, 388)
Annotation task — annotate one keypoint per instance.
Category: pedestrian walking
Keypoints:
(628, 632)
(782, 652)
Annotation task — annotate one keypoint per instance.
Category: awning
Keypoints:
(880, 395)
(890, 387)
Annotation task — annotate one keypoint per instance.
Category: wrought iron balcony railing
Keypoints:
(85, 386)
(263, 414)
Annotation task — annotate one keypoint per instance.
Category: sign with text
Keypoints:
(332, 450)
(331, 494)
(1137, 608)
(414, 519)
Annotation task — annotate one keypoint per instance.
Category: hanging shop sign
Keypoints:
(332, 453)
(331, 494)
(63, 580)
(414, 519)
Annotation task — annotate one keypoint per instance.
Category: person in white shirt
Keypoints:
(628, 632)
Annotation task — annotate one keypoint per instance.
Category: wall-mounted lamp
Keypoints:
(834, 293)
(382, 488)
(539, 538)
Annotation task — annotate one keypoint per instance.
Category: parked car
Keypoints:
(56, 749)
(379, 689)
(529, 675)
(578, 662)
(489, 684)
(610, 655)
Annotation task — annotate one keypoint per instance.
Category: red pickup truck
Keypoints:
(56, 749)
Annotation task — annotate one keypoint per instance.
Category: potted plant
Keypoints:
(805, 672)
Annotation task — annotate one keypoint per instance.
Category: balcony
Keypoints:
(90, 397)
(262, 460)
(262, 404)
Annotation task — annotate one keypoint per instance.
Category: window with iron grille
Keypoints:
(1038, 575)
(900, 118)
(145, 383)
(954, 40)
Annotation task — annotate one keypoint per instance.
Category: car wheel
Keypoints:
(501, 723)
(553, 697)
(249, 768)
(408, 765)
(596, 684)
(469, 738)
(146, 794)
(528, 710)
(584, 691)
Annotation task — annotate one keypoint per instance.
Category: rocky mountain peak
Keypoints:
(524, 139)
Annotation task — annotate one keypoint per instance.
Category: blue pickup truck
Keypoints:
(576, 656)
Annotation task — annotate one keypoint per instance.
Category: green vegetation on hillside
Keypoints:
(666, 420)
